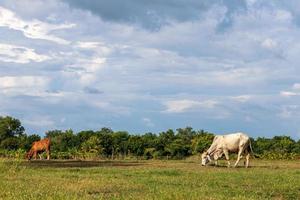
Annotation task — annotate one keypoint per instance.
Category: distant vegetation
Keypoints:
(106, 143)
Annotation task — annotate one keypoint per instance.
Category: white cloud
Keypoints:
(88, 45)
(242, 98)
(22, 81)
(99, 49)
(283, 15)
(269, 43)
(229, 77)
(251, 2)
(296, 86)
(148, 122)
(39, 121)
(288, 93)
(24, 85)
(289, 111)
(294, 91)
(84, 70)
(179, 106)
(34, 29)
(20, 54)
(105, 105)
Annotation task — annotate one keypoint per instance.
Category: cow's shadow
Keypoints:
(241, 166)
(231, 167)
(80, 163)
(223, 164)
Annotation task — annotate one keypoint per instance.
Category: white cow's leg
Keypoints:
(247, 160)
(239, 157)
(216, 162)
(246, 153)
(227, 158)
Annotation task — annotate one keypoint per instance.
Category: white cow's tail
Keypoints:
(250, 150)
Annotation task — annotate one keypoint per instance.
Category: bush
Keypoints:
(279, 156)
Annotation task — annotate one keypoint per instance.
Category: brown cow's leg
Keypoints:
(34, 155)
(40, 156)
(48, 155)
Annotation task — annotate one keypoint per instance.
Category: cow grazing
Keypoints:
(224, 144)
(39, 146)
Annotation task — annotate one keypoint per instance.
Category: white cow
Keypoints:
(225, 144)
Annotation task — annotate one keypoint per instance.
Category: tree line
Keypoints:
(106, 143)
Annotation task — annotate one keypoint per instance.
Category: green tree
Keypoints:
(10, 131)
(10, 127)
(297, 147)
(55, 137)
(84, 135)
(262, 145)
(92, 145)
(27, 140)
(149, 140)
(178, 148)
(10, 143)
(106, 141)
(163, 141)
(136, 145)
(186, 134)
(119, 143)
(182, 145)
(61, 141)
(201, 141)
(283, 144)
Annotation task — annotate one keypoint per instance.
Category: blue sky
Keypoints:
(140, 65)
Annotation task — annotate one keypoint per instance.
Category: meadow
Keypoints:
(183, 179)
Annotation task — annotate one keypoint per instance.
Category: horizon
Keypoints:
(218, 66)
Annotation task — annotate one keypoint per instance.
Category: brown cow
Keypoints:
(39, 146)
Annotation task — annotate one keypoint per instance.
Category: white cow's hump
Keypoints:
(236, 134)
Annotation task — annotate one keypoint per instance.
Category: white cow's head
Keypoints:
(205, 158)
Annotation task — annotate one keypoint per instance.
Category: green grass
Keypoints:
(147, 180)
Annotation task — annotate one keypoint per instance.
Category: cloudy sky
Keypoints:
(139, 65)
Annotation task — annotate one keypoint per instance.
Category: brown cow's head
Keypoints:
(29, 155)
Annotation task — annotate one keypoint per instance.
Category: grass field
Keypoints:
(147, 180)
